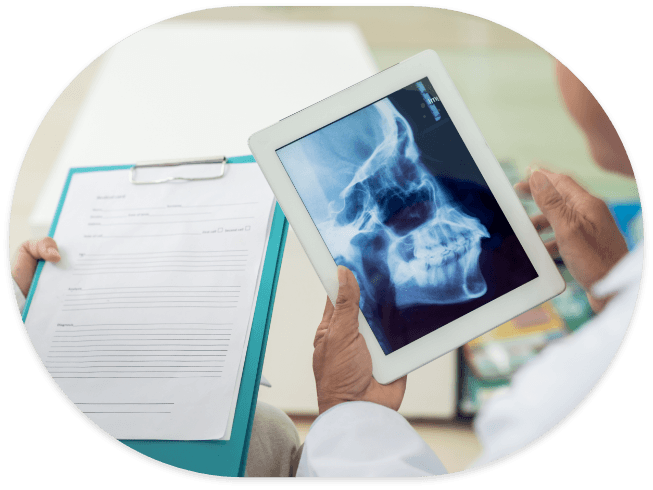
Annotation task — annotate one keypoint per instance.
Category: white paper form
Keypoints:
(145, 320)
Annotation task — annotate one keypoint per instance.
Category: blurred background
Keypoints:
(507, 82)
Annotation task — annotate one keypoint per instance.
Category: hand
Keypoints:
(341, 361)
(27, 257)
(586, 235)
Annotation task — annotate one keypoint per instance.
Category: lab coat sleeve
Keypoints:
(359, 439)
(20, 298)
(549, 387)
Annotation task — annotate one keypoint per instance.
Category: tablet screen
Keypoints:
(399, 200)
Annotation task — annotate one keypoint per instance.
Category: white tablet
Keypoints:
(393, 179)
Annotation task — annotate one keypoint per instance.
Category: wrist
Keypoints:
(327, 399)
(325, 404)
(597, 304)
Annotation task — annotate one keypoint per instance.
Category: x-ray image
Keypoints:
(398, 199)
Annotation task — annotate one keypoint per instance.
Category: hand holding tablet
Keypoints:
(341, 363)
(392, 179)
(587, 236)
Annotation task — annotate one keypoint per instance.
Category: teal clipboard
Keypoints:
(223, 458)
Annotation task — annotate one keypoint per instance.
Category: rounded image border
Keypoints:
(217, 479)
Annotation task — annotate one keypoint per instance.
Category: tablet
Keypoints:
(392, 178)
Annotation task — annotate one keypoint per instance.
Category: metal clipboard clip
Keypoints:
(177, 163)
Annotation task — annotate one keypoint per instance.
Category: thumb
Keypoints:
(345, 314)
(547, 198)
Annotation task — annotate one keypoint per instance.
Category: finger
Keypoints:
(540, 222)
(400, 383)
(539, 168)
(548, 199)
(522, 187)
(48, 250)
(31, 248)
(324, 324)
(568, 187)
(328, 311)
(552, 248)
(319, 334)
(345, 313)
(45, 248)
(24, 266)
(395, 393)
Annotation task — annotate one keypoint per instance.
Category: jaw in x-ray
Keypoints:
(384, 215)
(393, 211)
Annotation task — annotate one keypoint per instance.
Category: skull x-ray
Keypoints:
(398, 199)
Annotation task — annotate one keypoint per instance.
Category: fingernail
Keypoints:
(540, 181)
(54, 252)
(342, 275)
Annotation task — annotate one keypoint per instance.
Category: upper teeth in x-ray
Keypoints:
(430, 246)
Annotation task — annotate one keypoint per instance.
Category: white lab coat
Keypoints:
(365, 439)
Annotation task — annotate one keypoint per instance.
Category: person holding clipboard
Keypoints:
(274, 444)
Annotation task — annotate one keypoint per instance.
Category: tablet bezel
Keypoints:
(549, 283)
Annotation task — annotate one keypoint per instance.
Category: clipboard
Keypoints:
(222, 458)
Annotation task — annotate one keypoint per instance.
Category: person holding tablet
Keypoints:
(359, 432)
(392, 179)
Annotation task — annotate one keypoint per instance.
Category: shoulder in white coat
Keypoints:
(549, 387)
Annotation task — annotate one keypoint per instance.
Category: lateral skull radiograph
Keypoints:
(398, 199)
(394, 207)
